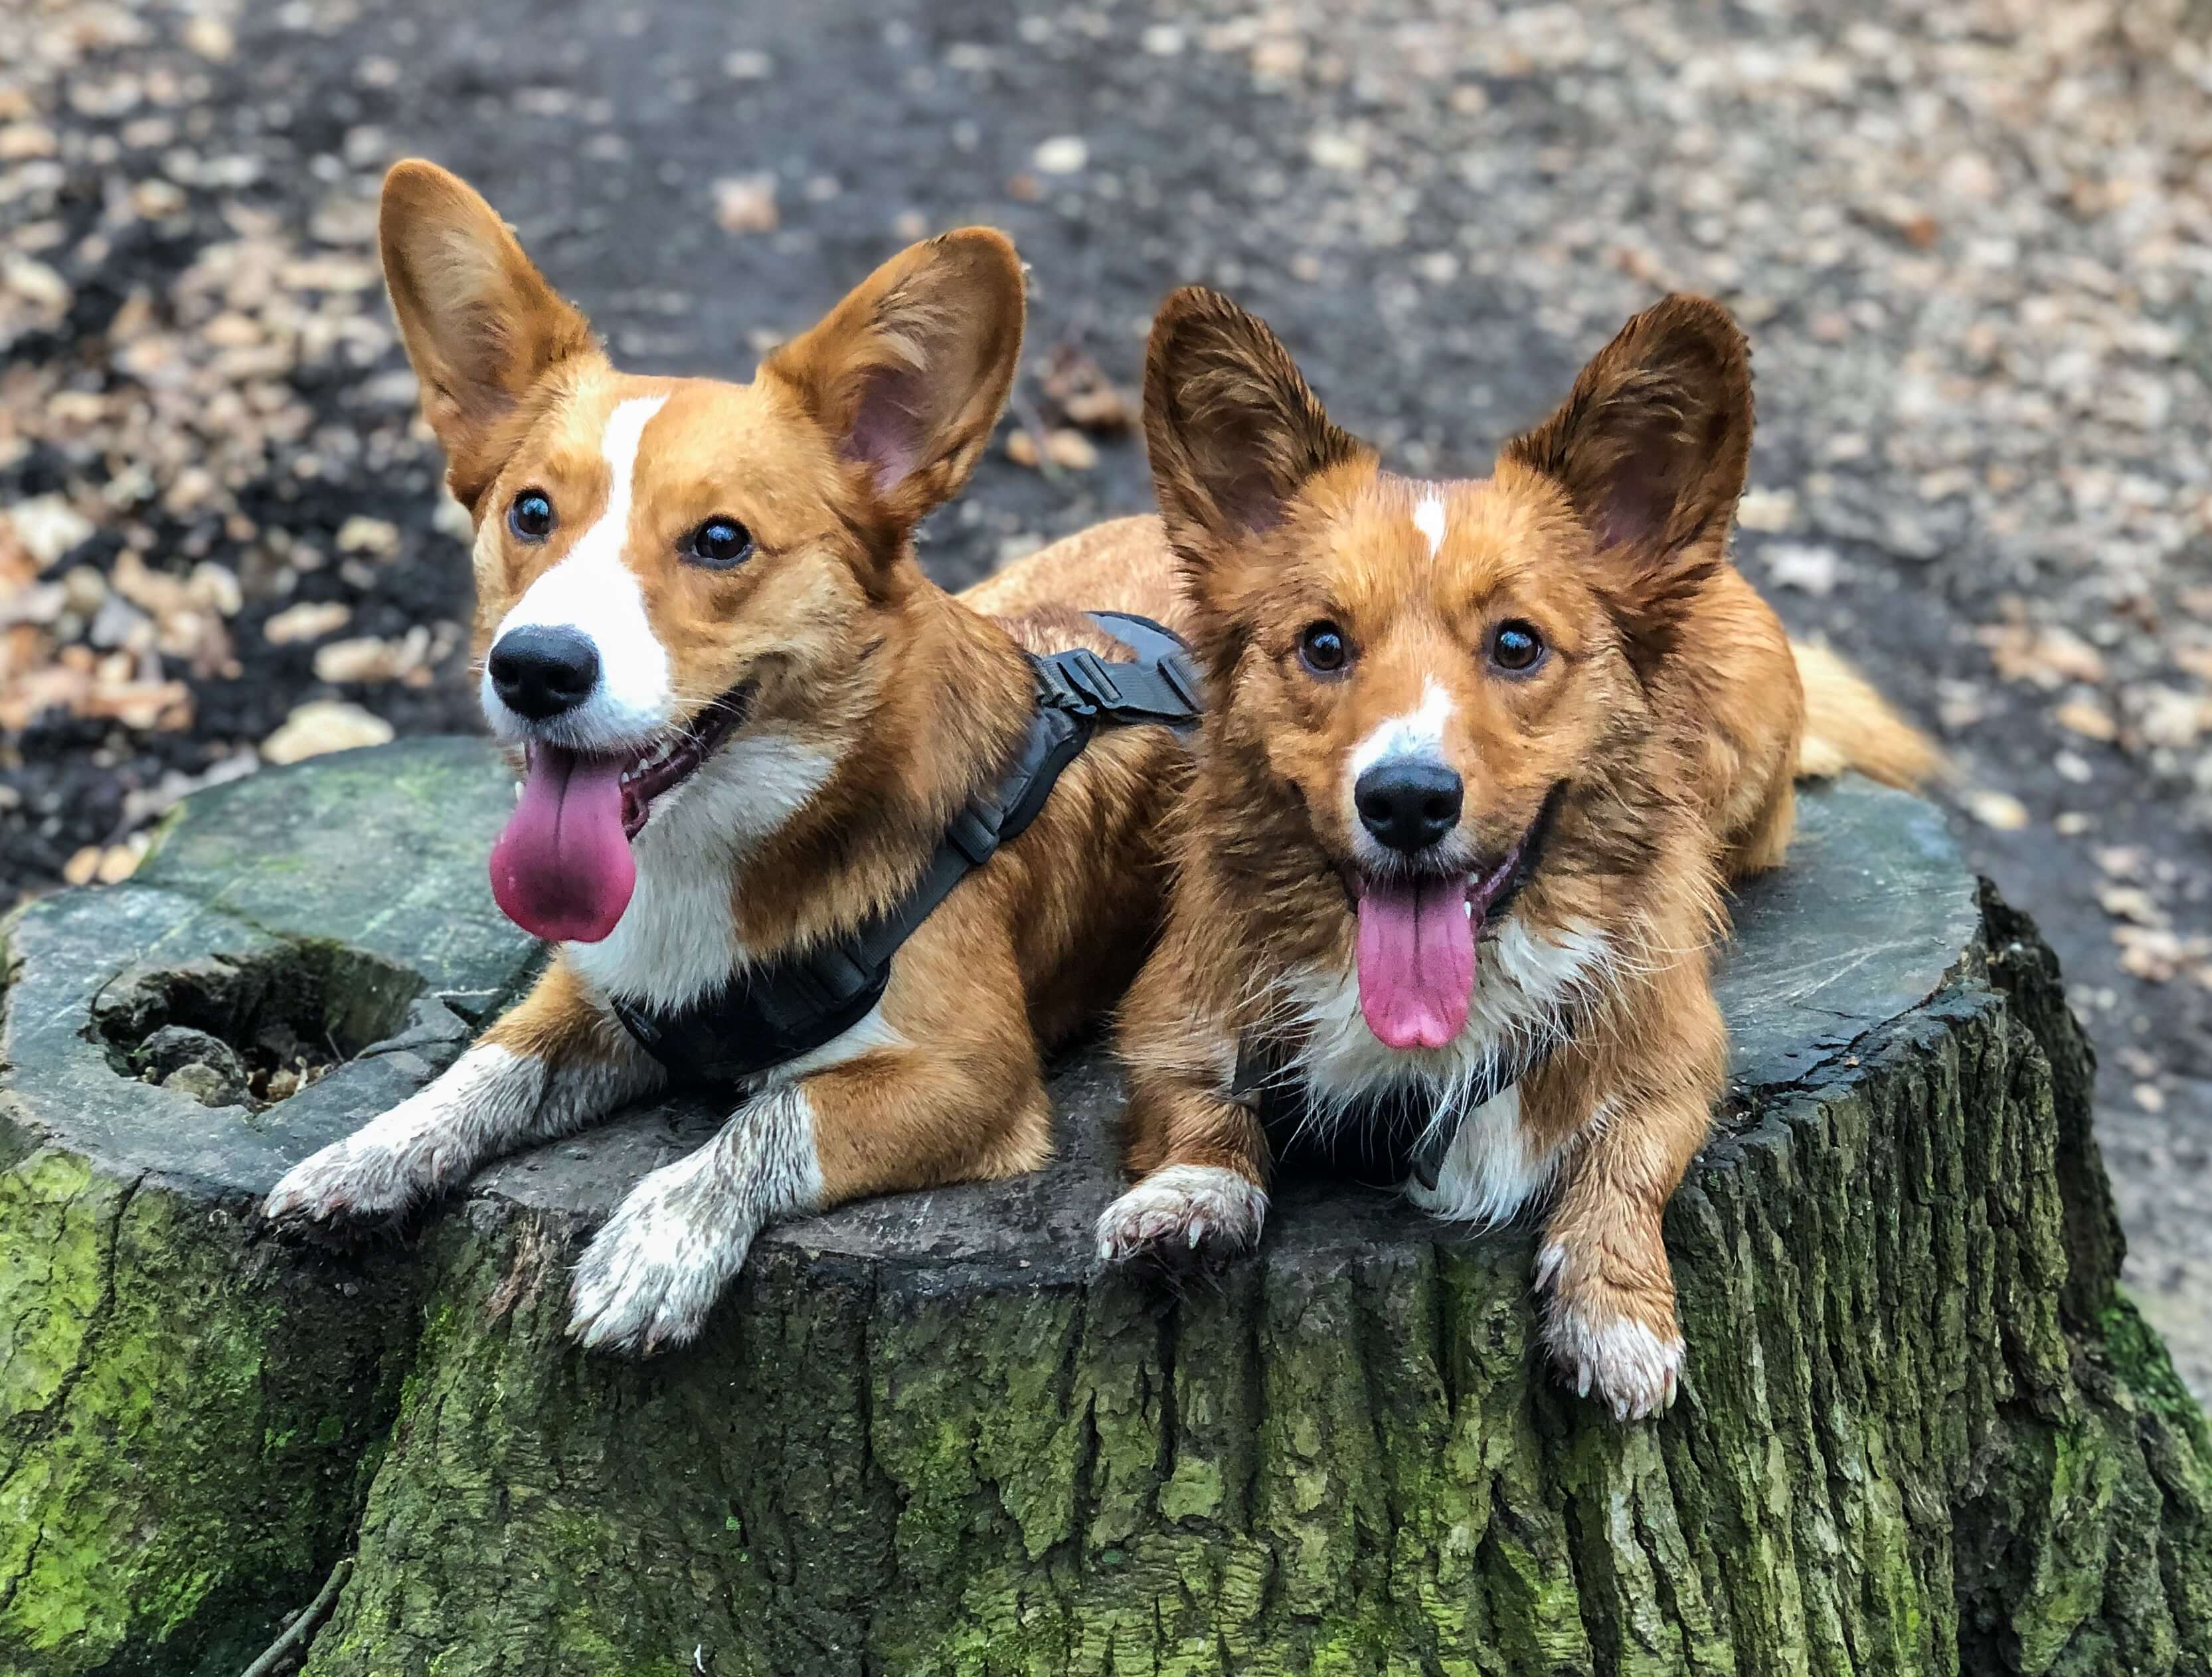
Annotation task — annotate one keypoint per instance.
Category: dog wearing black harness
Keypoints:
(805, 829)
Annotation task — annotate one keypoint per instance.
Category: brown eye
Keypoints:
(1516, 648)
(1323, 650)
(531, 517)
(720, 544)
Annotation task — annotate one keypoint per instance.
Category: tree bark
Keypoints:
(1922, 1430)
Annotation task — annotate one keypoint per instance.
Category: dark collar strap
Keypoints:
(1260, 1081)
(768, 1015)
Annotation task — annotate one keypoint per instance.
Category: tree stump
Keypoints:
(1921, 1430)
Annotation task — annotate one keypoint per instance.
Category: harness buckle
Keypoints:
(1182, 680)
(1077, 682)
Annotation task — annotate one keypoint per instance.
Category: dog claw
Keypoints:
(1182, 1208)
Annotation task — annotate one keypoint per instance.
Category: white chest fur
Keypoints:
(1527, 988)
(679, 938)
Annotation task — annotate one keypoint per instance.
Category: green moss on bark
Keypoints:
(182, 1439)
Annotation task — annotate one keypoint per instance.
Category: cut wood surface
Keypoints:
(1922, 1431)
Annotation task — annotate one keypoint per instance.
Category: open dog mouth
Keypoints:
(662, 767)
(561, 869)
(1415, 947)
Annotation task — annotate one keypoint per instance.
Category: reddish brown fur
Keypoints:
(921, 697)
(1667, 714)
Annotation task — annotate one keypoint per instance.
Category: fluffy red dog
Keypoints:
(1479, 757)
(744, 723)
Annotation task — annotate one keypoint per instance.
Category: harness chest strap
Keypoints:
(1260, 1081)
(768, 1015)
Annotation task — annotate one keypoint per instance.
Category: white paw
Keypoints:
(649, 1278)
(380, 1173)
(1179, 1209)
(1622, 1362)
(429, 1141)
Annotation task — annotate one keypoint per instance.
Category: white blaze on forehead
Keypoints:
(1429, 519)
(593, 592)
(1418, 733)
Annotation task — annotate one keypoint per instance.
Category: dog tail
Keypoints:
(1849, 725)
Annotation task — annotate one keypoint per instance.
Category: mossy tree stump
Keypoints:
(1921, 1430)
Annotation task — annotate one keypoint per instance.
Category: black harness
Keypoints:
(1395, 1137)
(765, 1016)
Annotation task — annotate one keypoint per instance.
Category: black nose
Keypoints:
(1407, 805)
(540, 672)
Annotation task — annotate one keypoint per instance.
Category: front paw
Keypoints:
(1606, 1348)
(649, 1278)
(360, 1179)
(1181, 1210)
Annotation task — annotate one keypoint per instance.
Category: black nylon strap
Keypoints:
(1261, 1086)
(768, 1016)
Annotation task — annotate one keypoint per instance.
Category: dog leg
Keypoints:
(549, 1068)
(1609, 1289)
(894, 1118)
(1202, 1195)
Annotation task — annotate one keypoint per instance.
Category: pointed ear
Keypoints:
(910, 372)
(482, 326)
(1651, 448)
(1232, 429)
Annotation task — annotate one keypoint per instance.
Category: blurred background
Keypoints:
(1972, 244)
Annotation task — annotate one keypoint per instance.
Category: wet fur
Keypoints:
(1662, 734)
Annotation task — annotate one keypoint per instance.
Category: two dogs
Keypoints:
(1447, 859)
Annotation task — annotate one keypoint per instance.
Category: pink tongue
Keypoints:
(562, 868)
(1416, 962)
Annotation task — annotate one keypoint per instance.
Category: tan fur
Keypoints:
(848, 435)
(1849, 725)
(1665, 724)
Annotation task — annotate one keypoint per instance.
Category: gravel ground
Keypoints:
(1972, 243)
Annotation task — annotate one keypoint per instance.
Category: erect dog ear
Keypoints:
(1233, 430)
(482, 326)
(1651, 447)
(910, 372)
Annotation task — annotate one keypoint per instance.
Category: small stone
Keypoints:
(48, 527)
(2150, 1097)
(363, 658)
(203, 1083)
(378, 537)
(1998, 810)
(1162, 40)
(83, 589)
(2131, 903)
(215, 588)
(1333, 148)
(311, 620)
(1810, 570)
(1021, 449)
(2170, 717)
(81, 868)
(1768, 512)
(1063, 154)
(746, 204)
(2089, 720)
(323, 726)
(211, 38)
(746, 65)
(1070, 448)
(22, 141)
(36, 284)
